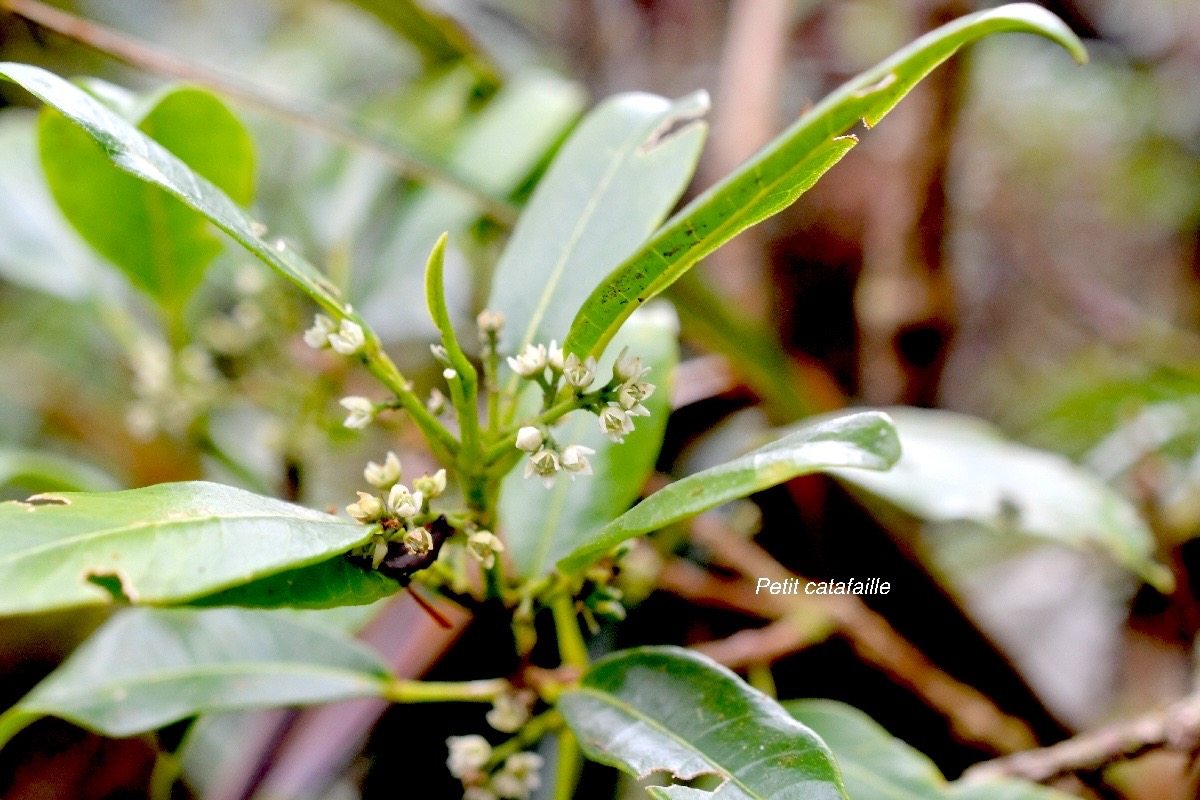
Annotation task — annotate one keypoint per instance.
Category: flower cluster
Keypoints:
(346, 338)
(517, 778)
(546, 460)
(396, 510)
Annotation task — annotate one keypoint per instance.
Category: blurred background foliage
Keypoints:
(1017, 242)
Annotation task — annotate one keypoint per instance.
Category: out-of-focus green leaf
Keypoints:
(877, 766)
(960, 471)
(45, 472)
(864, 441)
(779, 173)
(147, 668)
(161, 245)
(437, 36)
(162, 544)
(38, 249)
(142, 157)
(668, 709)
(612, 183)
(542, 525)
(499, 149)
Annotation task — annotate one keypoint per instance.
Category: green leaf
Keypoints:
(146, 668)
(438, 37)
(960, 473)
(878, 766)
(161, 245)
(334, 583)
(43, 472)
(612, 183)
(135, 153)
(655, 709)
(162, 544)
(785, 168)
(865, 441)
(523, 121)
(542, 525)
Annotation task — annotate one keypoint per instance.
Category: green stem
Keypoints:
(443, 443)
(568, 765)
(406, 691)
(570, 639)
(529, 734)
(555, 412)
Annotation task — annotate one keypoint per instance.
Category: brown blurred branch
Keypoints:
(798, 622)
(1176, 727)
(328, 122)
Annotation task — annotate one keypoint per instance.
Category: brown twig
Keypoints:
(972, 716)
(328, 122)
(1176, 727)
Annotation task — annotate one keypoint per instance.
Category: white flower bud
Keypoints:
(368, 508)
(519, 777)
(361, 409)
(615, 423)
(579, 374)
(509, 711)
(545, 464)
(317, 337)
(574, 460)
(349, 338)
(529, 439)
(554, 356)
(449, 373)
(489, 321)
(628, 368)
(383, 476)
(418, 541)
(404, 504)
(529, 362)
(468, 754)
(483, 547)
(440, 354)
(431, 485)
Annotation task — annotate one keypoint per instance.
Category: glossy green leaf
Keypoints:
(773, 178)
(877, 766)
(146, 668)
(865, 441)
(142, 157)
(160, 244)
(655, 709)
(333, 583)
(960, 472)
(612, 183)
(162, 544)
(541, 525)
(45, 472)
(498, 150)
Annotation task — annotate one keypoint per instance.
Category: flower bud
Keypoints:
(554, 356)
(529, 439)
(383, 476)
(368, 508)
(628, 368)
(468, 754)
(489, 321)
(431, 485)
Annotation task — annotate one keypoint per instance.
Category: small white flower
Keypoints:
(509, 711)
(151, 362)
(579, 374)
(404, 504)
(317, 337)
(529, 439)
(368, 508)
(554, 356)
(574, 460)
(378, 552)
(545, 464)
(483, 546)
(490, 321)
(478, 793)
(449, 374)
(361, 409)
(383, 476)
(436, 402)
(519, 777)
(431, 485)
(418, 541)
(631, 395)
(468, 754)
(529, 362)
(349, 338)
(615, 422)
(628, 368)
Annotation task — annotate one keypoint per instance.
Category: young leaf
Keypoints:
(865, 441)
(772, 179)
(542, 525)
(609, 187)
(140, 156)
(878, 766)
(959, 470)
(146, 668)
(668, 709)
(162, 544)
(161, 245)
